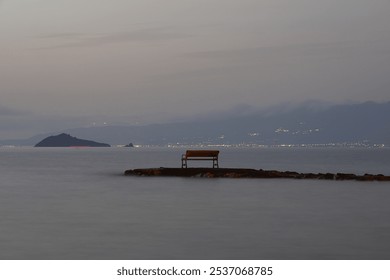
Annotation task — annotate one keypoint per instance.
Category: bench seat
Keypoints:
(211, 155)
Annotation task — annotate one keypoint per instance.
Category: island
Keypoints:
(130, 145)
(66, 140)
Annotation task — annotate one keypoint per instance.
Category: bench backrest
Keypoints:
(202, 153)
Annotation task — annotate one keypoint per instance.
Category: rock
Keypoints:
(130, 145)
(327, 176)
(250, 173)
(345, 176)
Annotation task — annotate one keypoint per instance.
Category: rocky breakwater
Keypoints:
(250, 173)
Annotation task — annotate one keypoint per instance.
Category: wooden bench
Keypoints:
(200, 155)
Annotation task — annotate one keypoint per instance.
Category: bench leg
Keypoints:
(215, 163)
(183, 163)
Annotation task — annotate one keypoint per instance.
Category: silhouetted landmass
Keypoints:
(311, 123)
(366, 123)
(250, 173)
(65, 140)
(130, 145)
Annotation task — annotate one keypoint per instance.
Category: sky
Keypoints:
(72, 63)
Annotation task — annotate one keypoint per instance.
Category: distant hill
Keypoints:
(306, 124)
(65, 140)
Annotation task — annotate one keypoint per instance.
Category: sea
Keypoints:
(76, 204)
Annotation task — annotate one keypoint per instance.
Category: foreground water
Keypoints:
(67, 203)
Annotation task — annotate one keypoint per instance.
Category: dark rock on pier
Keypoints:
(250, 173)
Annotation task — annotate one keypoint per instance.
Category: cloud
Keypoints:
(101, 39)
(304, 49)
(64, 35)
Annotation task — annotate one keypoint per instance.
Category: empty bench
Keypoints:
(200, 155)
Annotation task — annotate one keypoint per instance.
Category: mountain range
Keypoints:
(367, 123)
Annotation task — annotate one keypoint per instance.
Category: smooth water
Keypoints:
(69, 203)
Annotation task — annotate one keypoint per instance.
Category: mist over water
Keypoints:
(67, 203)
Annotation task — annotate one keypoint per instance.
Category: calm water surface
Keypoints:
(66, 203)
